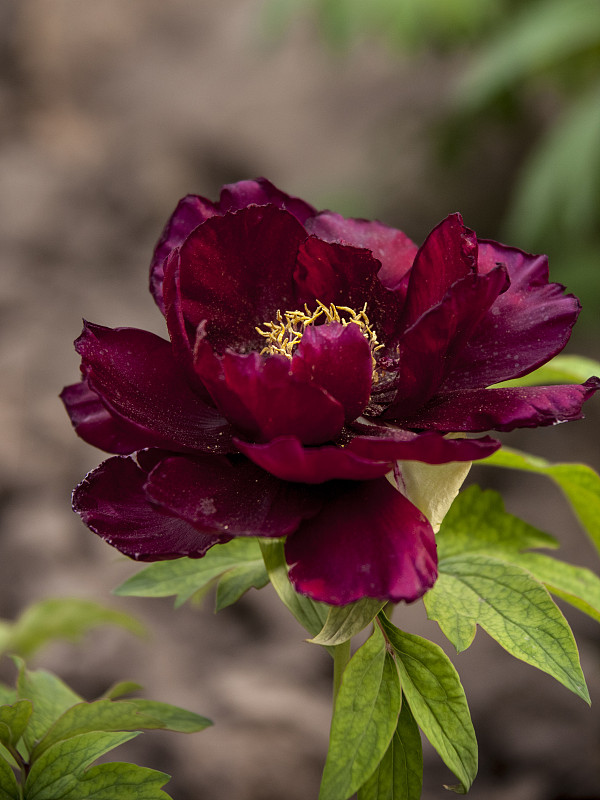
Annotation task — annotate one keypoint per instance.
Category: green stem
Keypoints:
(341, 657)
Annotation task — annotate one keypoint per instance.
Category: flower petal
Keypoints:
(346, 276)
(503, 409)
(230, 497)
(97, 426)
(338, 359)
(526, 326)
(448, 254)
(289, 460)
(236, 273)
(367, 541)
(111, 501)
(363, 458)
(262, 398)
(261, 192)
(190, 212)
(427, 350)
(392, 247)
(393, 444)
(135, 375)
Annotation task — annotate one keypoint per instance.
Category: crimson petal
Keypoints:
(262, 192)
(526, 326)
(390, 246)
(190, 212)
(365, 457)
(136, 376)
(231, 498)
(111, 501)
(236, 273)
(261, 397)
(367, 541)
(427, 350)
(97, 426)
(430, 447)
(289, 460)
(338, 359)
(448, 254)
(504, 409)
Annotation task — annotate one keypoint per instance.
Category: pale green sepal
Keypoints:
(13, 721)
(344, 622)
(308, 613)
(57, 773)
(364, 719)
(9, 789)
(430, 487)
(514, 608)
(185, 577)
(49, 696)
(237, 581)
(432, 688)
(580, 483)
(60, 618)
(399, 775)
(478, 523)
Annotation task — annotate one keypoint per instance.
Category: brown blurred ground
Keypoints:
(109, 112)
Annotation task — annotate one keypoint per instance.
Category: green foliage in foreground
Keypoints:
(488, 577)
(50, 737)
(235, 567)
(397, 685)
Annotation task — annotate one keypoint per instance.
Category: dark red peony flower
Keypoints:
(310, 354)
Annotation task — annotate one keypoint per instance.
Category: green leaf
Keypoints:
(120, 689)
(576, 585)
(107, 715)
(131, 781)
(184, 577)
(308, 613)
(8, 695)
(171, 718)
(433, 690)
(562, 369)
(237, 581)
(516, 610)
(579, 482)
(399, 775)
(49, 696)
(9, 789)
(364, 719)
(13, 721)
(478, 523)
(57, 773)
(60, 618)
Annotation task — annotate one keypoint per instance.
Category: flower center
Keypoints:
(285, 334)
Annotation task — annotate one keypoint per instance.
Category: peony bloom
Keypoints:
(310, 356)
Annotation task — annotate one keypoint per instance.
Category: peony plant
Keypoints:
(324, 390)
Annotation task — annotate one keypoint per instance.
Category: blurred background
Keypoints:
(402, 110)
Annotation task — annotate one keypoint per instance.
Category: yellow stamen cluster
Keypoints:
(284, 335)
